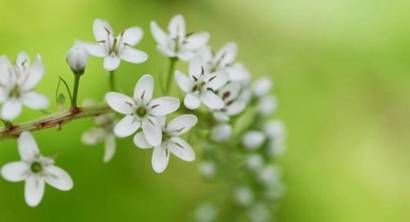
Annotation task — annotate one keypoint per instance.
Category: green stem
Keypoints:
(6, 123)
(75, 90)
(171, 70)
(112, 81)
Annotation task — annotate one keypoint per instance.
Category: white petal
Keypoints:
(152, 131)
(110, 148)
(159, 35)
(127, 126)
(11, 109)
(192, 101)
(34, 100)
(176, 27)
(183, 81)
(238, 73)
(221, 116)
(196, 40)
(181, 124)
(181, 149)
(93, 136)
(102, 30)
(3, 94)
(120, 102)
(131, 36)
(186, 55)
(211, 100)
(140, 141)
(160, 159)
(34, 75)
(262, 86)
(5, 71)
(58, 178)
(111, 63)
(22, 62)
(226, 55)
(163, 105)
(229, 91)
(166, 51)
(97, 50)
(34, 190)
(15, 171)
(195, 68)
(221, 132)
(253, 139)
(133, 55)
(27, 146)
(235, 108)
(144, 88)
(216, 80)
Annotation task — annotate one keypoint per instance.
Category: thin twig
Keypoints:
(54, 120)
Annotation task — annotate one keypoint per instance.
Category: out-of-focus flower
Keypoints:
(176, 43)
(267, 105)
(207, 169)
(141, 111)
(77, 58)
(269, 175)
(275, 131)
(262, 87)
(207, 212)
(243, 196)
(36, 170)
(254, 162)
(200, 86)
(259, 213)
(232, 105)
(253, 139)
(171, 142)
(114, 49)
(221, 132)
(17, 83)
(103, 132)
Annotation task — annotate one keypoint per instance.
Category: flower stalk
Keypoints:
(171, 70)
(75, 90)
(111, 81)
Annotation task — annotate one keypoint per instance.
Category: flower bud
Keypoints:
(221, 133)
(252, 140)
(77, 58)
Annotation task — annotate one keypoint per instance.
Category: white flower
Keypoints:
(253, 139)
(254, 162)
(77, 58)
(17, 83)
(221, 132)
(232, 105)
(259, 213)
(207, 169)
(243, 195)
(267, 105)
(176, 43)
(112, 48)
(224, 60)
(141, 110)
(206, 212)
(200, 86)
(171, 142)
(275, 131)
(261, 87)
(36, 170)
(103, 132)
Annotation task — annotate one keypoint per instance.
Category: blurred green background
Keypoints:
(341, 71)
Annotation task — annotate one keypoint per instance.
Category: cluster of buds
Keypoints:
(218, 91)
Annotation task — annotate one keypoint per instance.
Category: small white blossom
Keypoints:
(176, 43)
(77, 58)
(267, 105)
(253, 139)
(221, 132)
(262, 87)
(254, 162)
(141, 110)
(103, 132)
(243, 196)
(171, 142)
(200, 86)
(17, 83)
(207, 169)
(114, 49)
(275, 131)
(206, 212)
(35, 170)
(232, 104)
(259, 213)
(269, 175)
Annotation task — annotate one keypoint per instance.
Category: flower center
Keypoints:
(113, 49)
(15, 92)
(36, 167)
(198, 86)
(165, 136)
(141, 111)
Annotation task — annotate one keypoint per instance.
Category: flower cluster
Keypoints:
(218, 91)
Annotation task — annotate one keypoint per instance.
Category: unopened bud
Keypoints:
(77, 58)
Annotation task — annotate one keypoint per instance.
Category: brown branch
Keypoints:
(54, 120)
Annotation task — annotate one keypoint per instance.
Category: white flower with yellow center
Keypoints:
(141, 110)
(114, 49)
(36, 170)
(171, 142)
(17, 83)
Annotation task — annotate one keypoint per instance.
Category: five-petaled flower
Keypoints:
(36, 170)
(17, 83)
(112, 48)
(141, 110)
(103, 132)
(171, 142)
(176, 43)
(201, 86)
